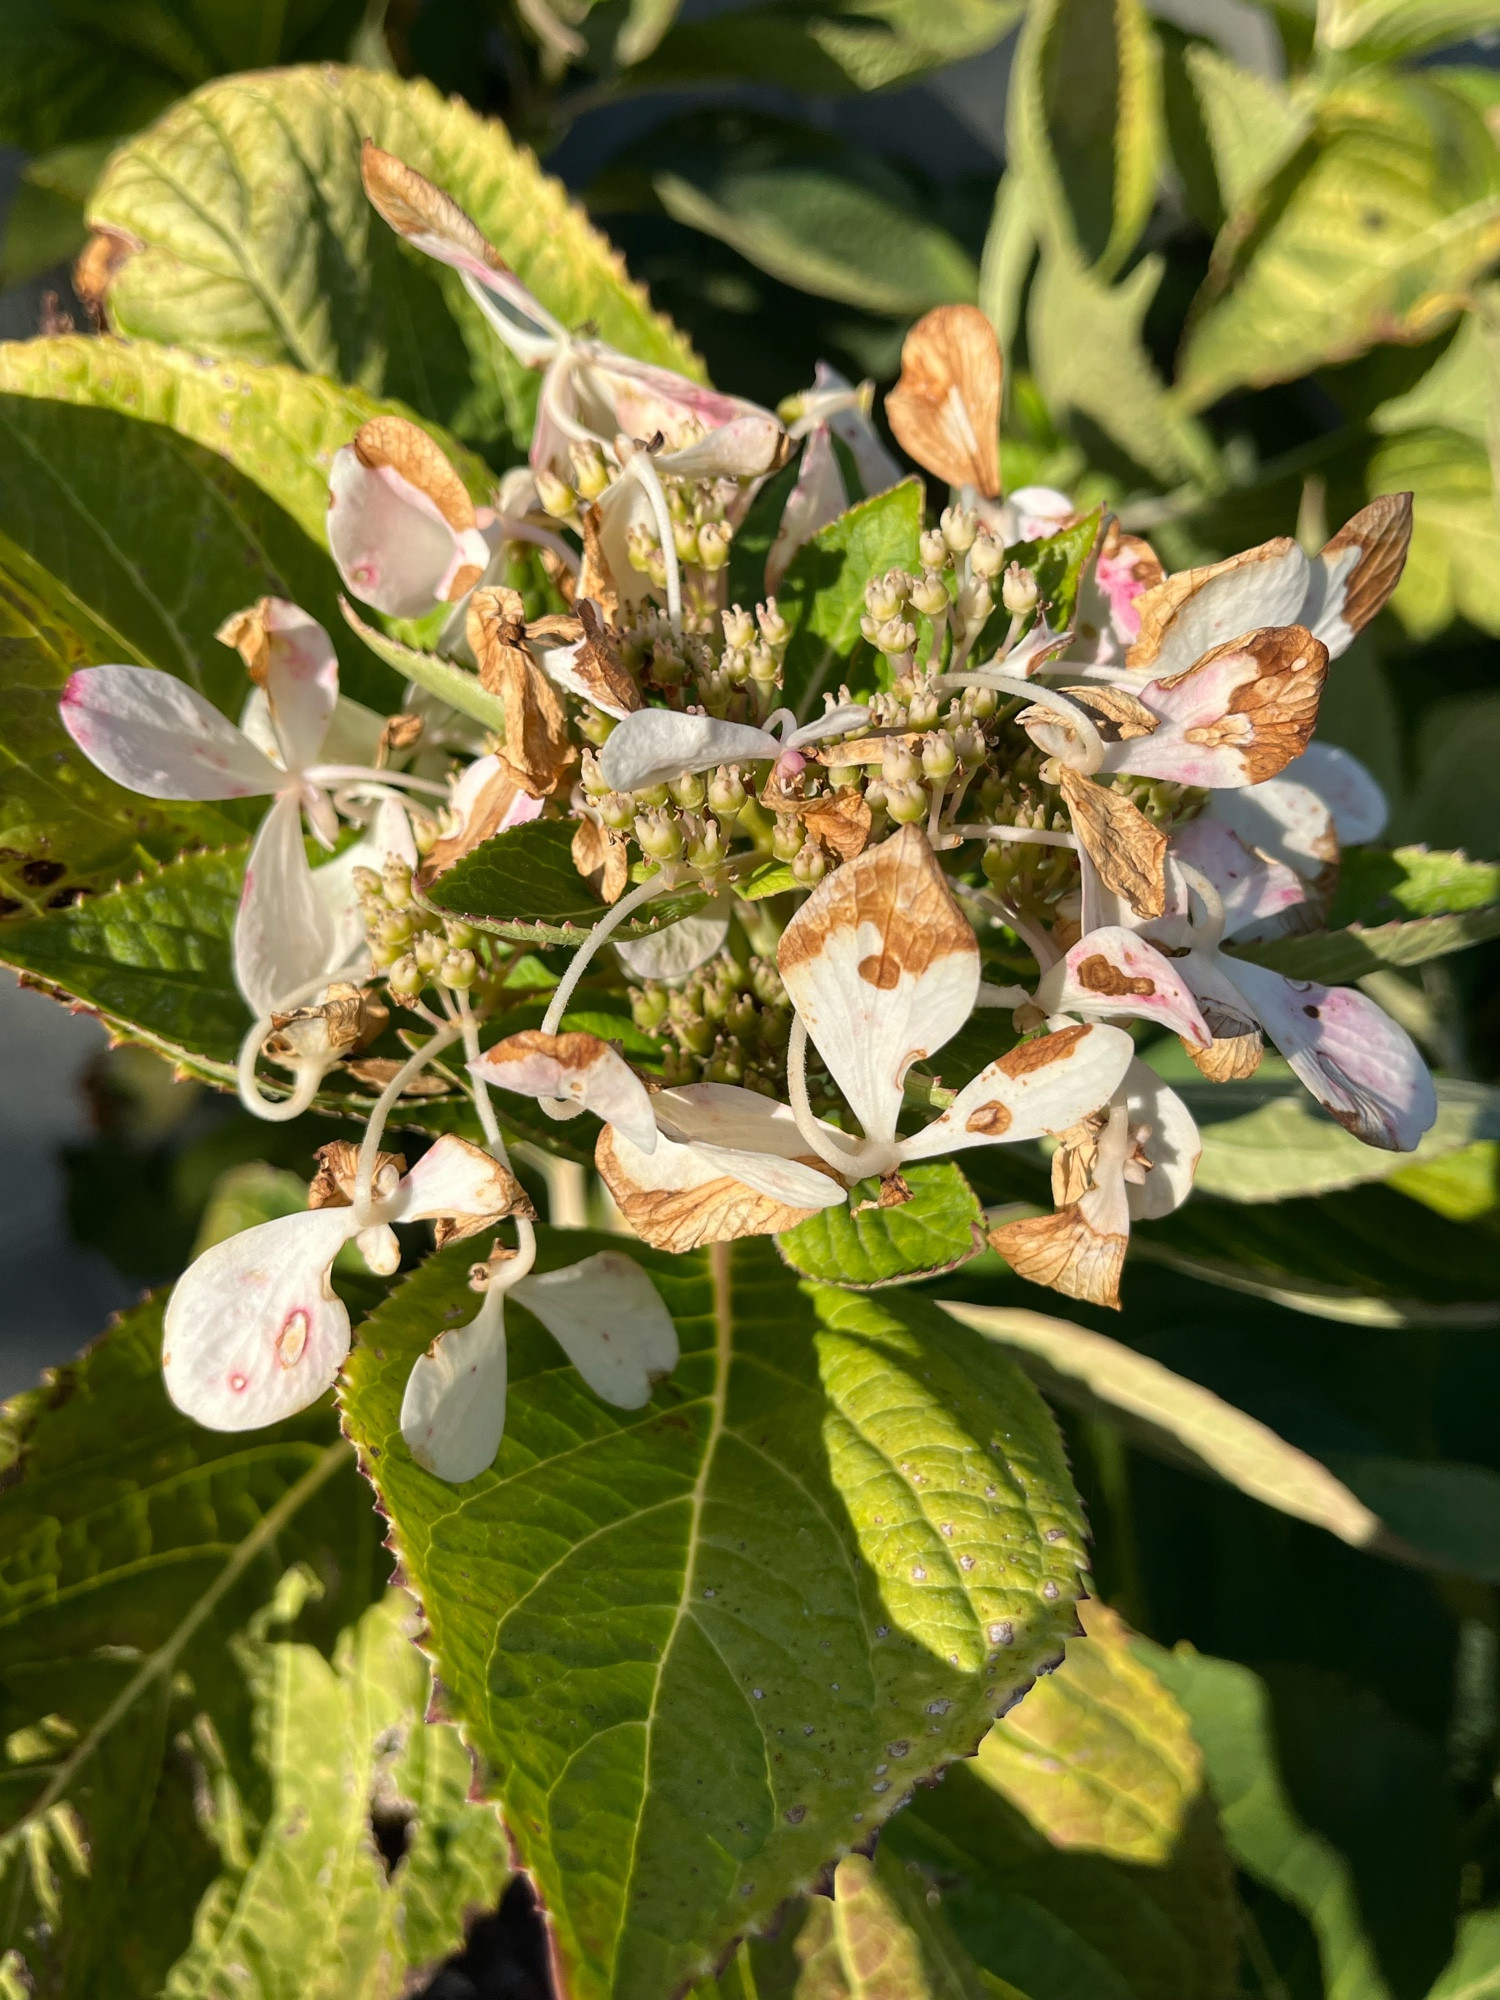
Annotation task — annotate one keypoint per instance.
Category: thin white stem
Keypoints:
(365, 774)
(369, 1149)
(1077, 718)
(512, 530)
(600, 934)
(846, 1160)
(1206, 936)
(651, 485)
(516, 1267)
(278, 1111)
(1025, 836)
(1036, 941)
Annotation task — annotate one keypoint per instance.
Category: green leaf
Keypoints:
(1254, 124)
(135, 1545)
(522, 884)
(941, 1226)
(1455, 393)
(709, 1643)
(839, 45)
(1451, 1513)
(45, 225)
(1084, 125)
(891, 1944)
(275, 424)
(1377, 884)
(1402, 27)
(826, 232)
(1373, 233)
(1087, 349)
(1340, 957)
(314, 1908)
(822, 595)
(1451, 570)
(259, 243)
(1458, 785)
(1473, 1973)
(455, 685)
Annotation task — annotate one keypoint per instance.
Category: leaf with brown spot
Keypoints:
(945, 410)
(536, 724)
(1128, 851)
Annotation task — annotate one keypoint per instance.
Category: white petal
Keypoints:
(1256, 893)
(741, 449)
(1347, 789)
(837, 721)
(1235, 718)
(752, 1129)
(883, 969)
(1283, 820)
(578, 1068)
(284, 932)
(1041, 1086)
(1173, 1146)
(302, 681)
(817, 498)
(1351, 1055)
(656, 744)
(151, 733)
(1264, 586)
(610, 1321)
(679, 949)
(392, 545)
(454, 1178)
(877, 470)
(253, 1330)
(453, 1411)
(1112, 973)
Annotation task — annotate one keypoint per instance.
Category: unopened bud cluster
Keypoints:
(415, 948)
(727, 1022)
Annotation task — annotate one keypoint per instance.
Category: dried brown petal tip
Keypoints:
(413, 206)
(1128, 851)
(407, 449)
(1382, 534)
(536, 725)
(602, 858)
(1065, 1252)
(595, 579)
(338, 1169)
(945, 410)
(1272, 716)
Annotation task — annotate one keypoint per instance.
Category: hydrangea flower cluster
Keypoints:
(1110, 787)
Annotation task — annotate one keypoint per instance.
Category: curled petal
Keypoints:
(1079, 1251)
(1172, 1146)
(460, 1182)
(678, 1197)
(1189, 614)
(151, 733)
(609, 1319)
(817, 498)
(289, 655)
(1351, 1055)
(578, 1068)
(657, 744)
(453, 1411)
(835, 721)
(1113, 972)
(285, 932)
(1126, 849)
(1239, 715)
(750, 1136)
(745, 448)
(253, 1329)
(1354, 575)
(401, 545)
(882, 967)
(1043, 1085)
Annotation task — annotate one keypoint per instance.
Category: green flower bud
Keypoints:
(808, 864)
(714, 540)
(556, 496)
(590, 470)
(986, 558)
(429, 951)
(395, 879)
(405, 978)
(933, 549)
(726, 792)
(960, 526)
(930, 596)
(659, 835)
(688, 791)
(906, 803)
(458, 970)
(648, 1006)
(939, 758)
(773, 627)
(617, 811)
(739, 627)
(1018, 592)
(786, 841)
(462, 936)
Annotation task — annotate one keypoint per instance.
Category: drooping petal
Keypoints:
(253, 1330)
(1347, 789)
(1042, 1085)
(678, 1197)
(453, 1411)
(848, 416)
(817, 498)
(657, 744)
(577, 1068)
(460, 1183)
(1353, 576)
(288, 653)
(151, 733)
(1256, 893)
(609, 1319)
(1173, 1147)
(745, 448)
(883, 969)
(285, 933)
(1239, 715)
(1109, 616)
(679, 949)
(1351, 1055)
(612, 392)
(1189, 614)
(750, 1136)
(1114, 972)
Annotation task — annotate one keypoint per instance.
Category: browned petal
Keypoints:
(412, 206)
(398, 733)
(375, 1072)
(1230, 1058)
(495, 799)
(249, 634)
(898, 888)
(679, 1219)
(945, 410)
(99, 263)
(841, 821)
(338, 1169)
(1121, 548)
(602, 858)
(1065, 1252)
(594, 578)
(1041, 1050)
(1128, 851)
(1382, 531)
(1121, 715)
(1073, 1162)
(1272, 717)
(536, 724)
(597, 662)
(408, 450)
(351, 1018)
(510, 1199)
(1160, 605)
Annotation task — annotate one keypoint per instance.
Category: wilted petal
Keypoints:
(1128, 852)
(459, 1182)
(945, 409)
(1187, 615)
(1042, 1085)
(1347, 789)
(612, 392)
(817, 498)
(745, 448)
(253, 1330)
(835, 721)
(285, 933)
(1114, 972)
(1353, 576)
(453, 1411)
(657, 744)
(609, 1319)
(401, 525)
(578, 1068)
(883, 969)
(1256, 893)
(289, 655)
(1351, 1055)
(1173, 1147)
(751, 1136)
(680, 948)
(1240, 715)
(151, 733)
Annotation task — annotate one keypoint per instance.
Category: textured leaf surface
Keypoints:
(709, 1645)
(1340, 957)
(1453, 568)
(1378, 884)
(839, 45)
(313, 1908)
(866, 1246)
(890, 1944)
(260, 244)
(1253, 122)
(522, 884)
(135, 1544)
(822, 595)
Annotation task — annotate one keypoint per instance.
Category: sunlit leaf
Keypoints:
(822, 595)
(865, 1246)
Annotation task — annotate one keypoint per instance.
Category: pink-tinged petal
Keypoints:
(454, 1178)
(284, 932)
(817, 498)
(848, 418)
(882, 968)
(1285, 821)
(657, 744)
(1235, 718)
(616, 393)
(835, 721)
(1043, 1085)
(1114, 973)
(1351, 1055)
(609, 1319)
(1347, 789)
(1173, 1147)
(679, 949)
(743, 449)
(1255, 892)
(253, 1329)
(578, 1068)
(1191, 613)
(453, 1411)
(393, 546)
(151, 733)
(1031, 514)
(301, 681)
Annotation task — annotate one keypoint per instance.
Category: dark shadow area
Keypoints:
(505, 1958)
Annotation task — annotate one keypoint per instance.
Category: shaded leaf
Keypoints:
(1340, 957)
(522, 884)
(1402, 27)
(1451, 570)
(822, 595)
(865, 1246)
(1376, 884)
